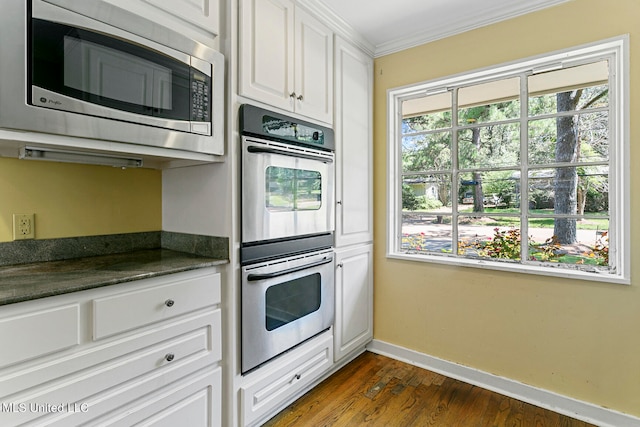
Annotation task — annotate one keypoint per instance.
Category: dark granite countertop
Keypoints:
(25, 282)
(31, 269)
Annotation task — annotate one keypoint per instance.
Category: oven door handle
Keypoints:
(256, 277)
(254, 149)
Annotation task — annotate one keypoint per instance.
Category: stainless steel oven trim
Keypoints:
(270, 250)
(269, 150)
(260, 345)
(253, 277)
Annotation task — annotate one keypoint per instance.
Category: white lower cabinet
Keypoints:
(354, 299)
(151, 367)
(269, 387)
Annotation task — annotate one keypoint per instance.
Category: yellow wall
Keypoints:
(577, 338)
(79, 200)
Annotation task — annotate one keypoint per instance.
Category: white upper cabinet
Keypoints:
(197, 19)
(354, 166)
(314, 68)
(203, 14)
(266, 51)
(286, 58)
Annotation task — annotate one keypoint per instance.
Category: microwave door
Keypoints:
(86, 72)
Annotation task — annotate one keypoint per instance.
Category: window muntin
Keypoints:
(519, 157)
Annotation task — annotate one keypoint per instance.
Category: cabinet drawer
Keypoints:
(274, 384)
(195, 401)
(130, 310)
(118, 381)
(38, 333)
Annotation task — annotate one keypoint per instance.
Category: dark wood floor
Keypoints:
(374, 390)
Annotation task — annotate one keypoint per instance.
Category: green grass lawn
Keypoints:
(502, 221)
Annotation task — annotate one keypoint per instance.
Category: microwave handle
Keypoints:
(256, 277)
(254, 149)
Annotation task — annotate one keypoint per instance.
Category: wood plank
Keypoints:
(374, 390)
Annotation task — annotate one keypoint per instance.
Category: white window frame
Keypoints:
(616, 51)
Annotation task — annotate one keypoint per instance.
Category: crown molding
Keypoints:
(436, 32)
(488, 17)
(337, 24)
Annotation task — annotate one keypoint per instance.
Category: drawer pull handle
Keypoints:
(169, 357)
(295, 378)
(169, 303)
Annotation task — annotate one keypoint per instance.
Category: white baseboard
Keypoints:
(545, 399)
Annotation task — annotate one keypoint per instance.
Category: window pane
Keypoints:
(427, 193)
(495, 191)
(489, 102)
(426, 233)
(575, 138)
(427, 113)
(426, 152)
(489, 237)
(569, 89)
(489, 146)
(572, 191)
(588, 248)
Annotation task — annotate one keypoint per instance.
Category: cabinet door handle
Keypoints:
(169, 303)
(340, 265)
(292, 95)
(299, 98)
(338, 202)
(169, 357)
(296, 377)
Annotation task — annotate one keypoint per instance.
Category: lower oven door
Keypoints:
(287, 191)
(285, 302)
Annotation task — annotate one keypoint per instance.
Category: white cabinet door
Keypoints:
(266, 51)
(314, 68)
(286, 58)
(354, 166)
(201, 13)
(354, 299)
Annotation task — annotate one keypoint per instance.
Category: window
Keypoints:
(519, 167)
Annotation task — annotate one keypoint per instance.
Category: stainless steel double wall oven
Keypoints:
(287, 233)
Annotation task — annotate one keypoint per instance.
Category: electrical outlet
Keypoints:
(24, 226)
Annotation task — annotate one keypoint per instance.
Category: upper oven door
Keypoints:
(287, 191)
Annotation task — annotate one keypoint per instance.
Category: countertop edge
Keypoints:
(28, 283)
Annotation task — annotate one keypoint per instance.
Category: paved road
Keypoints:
(438, 236)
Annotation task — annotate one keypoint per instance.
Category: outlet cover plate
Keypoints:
(24, 226)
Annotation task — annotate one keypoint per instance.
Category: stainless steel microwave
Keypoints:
(106, 74)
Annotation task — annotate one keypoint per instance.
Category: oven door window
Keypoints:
(290, 189)
(292, 300)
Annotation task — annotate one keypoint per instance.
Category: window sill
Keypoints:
(513, 268)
